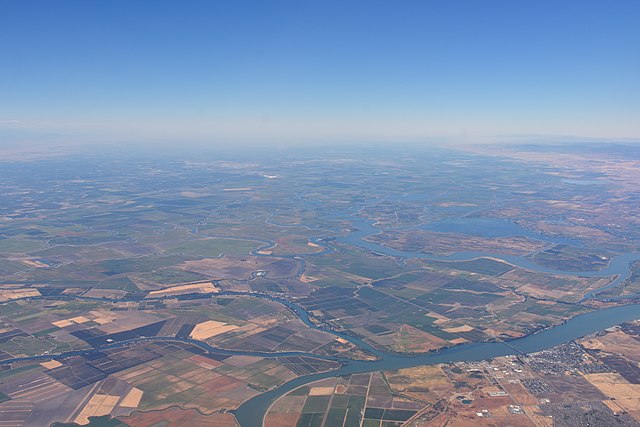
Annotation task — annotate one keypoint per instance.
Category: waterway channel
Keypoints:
(618, 267)
(251, 413)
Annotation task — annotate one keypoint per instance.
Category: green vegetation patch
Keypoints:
(9, 267)
(142, 264)
(102, 421)
(335, 416)
(9, 308)
(215, 247)
(353, 417)
(20, 246)
(77, 307)
(568, 258)
(46, 332)
(340, 401)
(16, 371)
(360, 263)
(169, 276)
(486, 266)
(122, 283)
(310, 420)
(316, 404)
(397, 281)
(32, 346)
(301, 391)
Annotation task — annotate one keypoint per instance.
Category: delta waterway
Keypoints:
(618, 267)
(251, 413)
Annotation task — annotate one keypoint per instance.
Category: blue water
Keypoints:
(618, 266)
(251, 413)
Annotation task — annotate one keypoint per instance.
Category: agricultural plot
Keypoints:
(416, 312)
(97, 251)
(354, 265)
(151, 376)
(429, 242)
(361, 399)
(177, 416)
(214, 247)
(629, 288)
(563, 257)
(548, 286)
(484, 266)
(241, 267)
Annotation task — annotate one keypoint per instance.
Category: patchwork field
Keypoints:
(176, 288)
(572, 384)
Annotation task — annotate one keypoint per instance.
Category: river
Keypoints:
(618, 267)
(251, 412)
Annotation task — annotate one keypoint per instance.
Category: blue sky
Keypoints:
(314, 70)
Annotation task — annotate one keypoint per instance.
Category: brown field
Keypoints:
(241, 267)
(614, 386)
(98, 405)
(17, 293)
(447, 243)
(463, 328)
(132, 400)
(179, 417)
(321, 391)
(548, 286)
(410, 339)
(458, 414)
(295, 244)
(210, 328)
(426, 383)
(626, 395)
(499, 417)
(519, 393)
(118, 321)
(615, 342)
(177, 380)
(206, 287)
(51, 364)
(286, 410)
(62, 323)
(38, 388)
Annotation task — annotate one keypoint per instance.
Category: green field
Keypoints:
(214, 247)
(486, 266)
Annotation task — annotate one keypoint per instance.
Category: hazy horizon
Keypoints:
(289, 72)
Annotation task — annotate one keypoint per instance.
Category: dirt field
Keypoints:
(99, 404)
(179, 417)
(410, 339)
(616, 342)
(241, 267)
(426, 383)
(200, 288)
(11, 294)
(132, 400)
(210, 328)
(614, 386)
